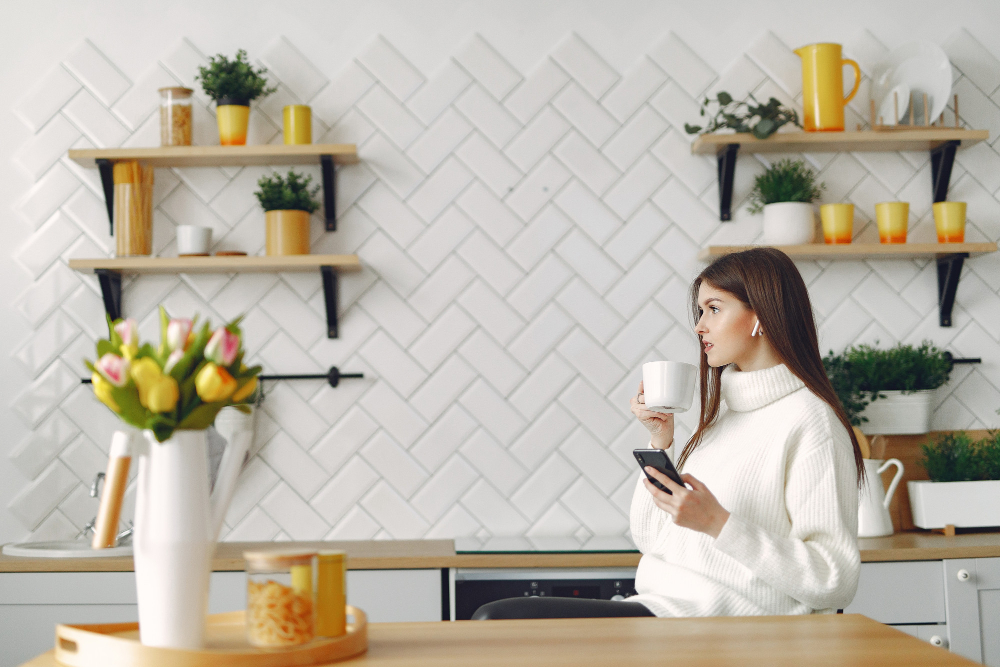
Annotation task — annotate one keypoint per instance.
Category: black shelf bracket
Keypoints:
(106, 167)
(949, 270)
(111, 290)
(329, 193)
(942, 160)
(727, 169)
(329, 275)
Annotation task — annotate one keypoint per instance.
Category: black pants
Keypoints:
(535, 607)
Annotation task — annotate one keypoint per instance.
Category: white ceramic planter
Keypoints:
(961, 504)
(899, 413)
(789, 223)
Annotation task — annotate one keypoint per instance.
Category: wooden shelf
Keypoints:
(220, 156)
(225, 264)
(110, 270)
(833, 142)
(862, 250)
(949, 257)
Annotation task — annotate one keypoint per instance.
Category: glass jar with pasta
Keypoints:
(133, 208)
(279, 598)
(175, 116)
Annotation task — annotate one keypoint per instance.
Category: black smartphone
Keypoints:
(658, 460)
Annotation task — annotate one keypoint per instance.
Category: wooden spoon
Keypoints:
(866, 451)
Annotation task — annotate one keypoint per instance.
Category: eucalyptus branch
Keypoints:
(749, 115)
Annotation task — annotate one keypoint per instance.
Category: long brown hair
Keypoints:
(767, 282)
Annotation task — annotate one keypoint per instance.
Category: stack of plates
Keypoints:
(919, 68)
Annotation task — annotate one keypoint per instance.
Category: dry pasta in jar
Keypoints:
(280, 598)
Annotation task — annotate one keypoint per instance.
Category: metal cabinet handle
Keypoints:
(963, 575)
(937, 641)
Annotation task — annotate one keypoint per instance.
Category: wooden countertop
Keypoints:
(433, 554)
(848, 639)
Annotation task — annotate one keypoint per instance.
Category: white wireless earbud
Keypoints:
(756, 328)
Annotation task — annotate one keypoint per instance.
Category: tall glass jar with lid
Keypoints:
(175, 116)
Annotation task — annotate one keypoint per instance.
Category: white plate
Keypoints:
(923, 67)
(888, 111)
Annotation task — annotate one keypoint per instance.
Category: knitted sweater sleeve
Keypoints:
(818, 562)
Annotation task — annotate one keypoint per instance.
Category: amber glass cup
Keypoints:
(892, 218)
(949, 218)
(838, 222)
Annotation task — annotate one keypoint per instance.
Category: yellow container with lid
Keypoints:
(280, 609)
(331, 594)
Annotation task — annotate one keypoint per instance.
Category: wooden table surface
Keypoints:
(434, 554)
(842, 640)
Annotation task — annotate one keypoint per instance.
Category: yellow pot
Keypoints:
(233, 120)
(287, 232)
(297, 124)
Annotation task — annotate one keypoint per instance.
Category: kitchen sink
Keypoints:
(65, 549)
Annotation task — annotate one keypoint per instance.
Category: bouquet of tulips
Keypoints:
(182, 384)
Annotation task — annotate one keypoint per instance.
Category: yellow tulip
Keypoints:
(214, 383)
(146, 374)
(162, 396)
(244, 392)
(102, 389)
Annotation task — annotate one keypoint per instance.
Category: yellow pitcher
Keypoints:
(823, 87)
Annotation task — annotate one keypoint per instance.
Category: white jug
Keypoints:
(873, 509)
(177, 522)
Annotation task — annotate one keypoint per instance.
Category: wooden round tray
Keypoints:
(117, 645)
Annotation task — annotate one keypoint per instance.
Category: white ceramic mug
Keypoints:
(193, 239)
(668, 386)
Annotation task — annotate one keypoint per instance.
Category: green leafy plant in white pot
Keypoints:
(964, 486)
(888, 391)
(785, 193)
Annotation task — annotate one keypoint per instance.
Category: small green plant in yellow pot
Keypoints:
(287, 204)
(233, 84)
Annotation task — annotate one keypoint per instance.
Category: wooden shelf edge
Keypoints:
(253, 264)
(191, 156)
(826, 142)
(859, 250)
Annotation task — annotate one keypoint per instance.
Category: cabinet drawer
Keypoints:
(901, 592)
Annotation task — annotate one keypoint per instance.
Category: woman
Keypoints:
(767, 521)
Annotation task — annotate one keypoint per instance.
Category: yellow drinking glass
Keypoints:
(949, 218)
(298, 124)
(838, 222)
(892, 218)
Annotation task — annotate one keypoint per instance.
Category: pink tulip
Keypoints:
(113, 368)
(222, 347)
(178, 331)
(129, 331)
(172, 360)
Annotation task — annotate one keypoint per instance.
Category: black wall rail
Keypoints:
(333, 377)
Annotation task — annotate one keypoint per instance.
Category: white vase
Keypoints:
(899, 413)
(176, 525)
(789, 223)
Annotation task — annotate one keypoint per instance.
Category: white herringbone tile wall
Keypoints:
(528, 236)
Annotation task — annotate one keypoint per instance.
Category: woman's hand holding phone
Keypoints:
(659, 425)
(695, 508)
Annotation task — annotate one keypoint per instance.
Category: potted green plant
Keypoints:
(233, 84)
(287, 204)
(964, 485)
(888, 391)
(785, 193)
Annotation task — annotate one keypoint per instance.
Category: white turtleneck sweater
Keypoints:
(782, 464)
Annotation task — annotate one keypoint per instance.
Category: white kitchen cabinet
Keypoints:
(953, 603)
(32, 603)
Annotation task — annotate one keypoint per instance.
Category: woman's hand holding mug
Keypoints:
(660, 425)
